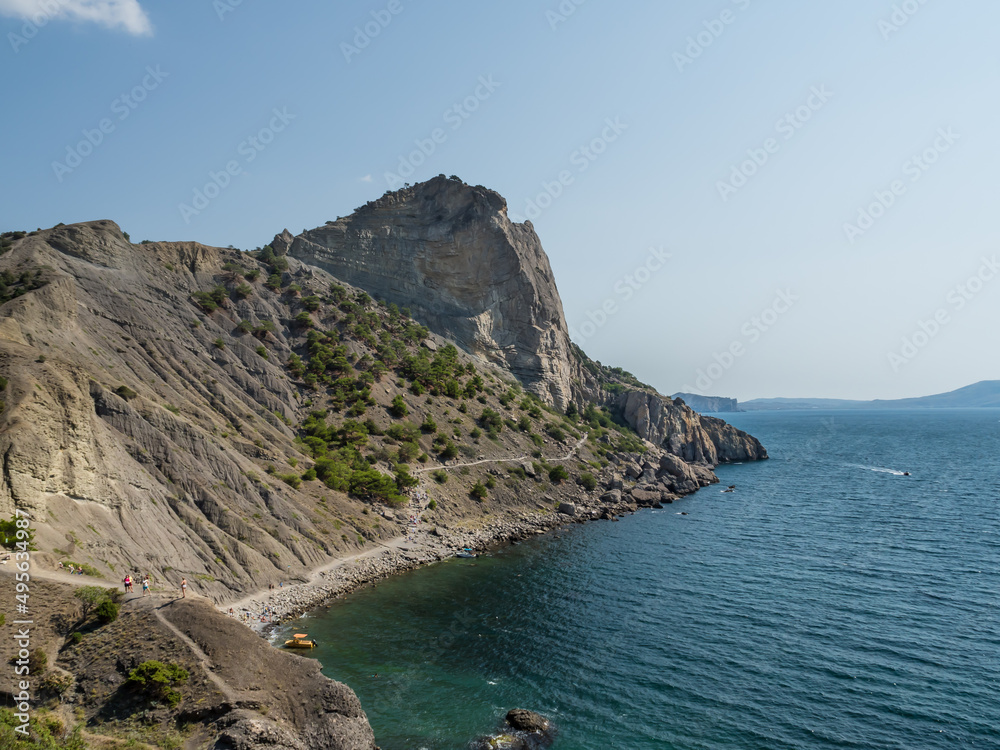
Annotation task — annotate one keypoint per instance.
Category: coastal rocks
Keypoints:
(567, 509)
(526, 721)
(646, 497)
(523, 730)
(449, 252)
(678, 429)
(612, 497)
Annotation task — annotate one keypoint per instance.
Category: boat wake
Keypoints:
(882, 470)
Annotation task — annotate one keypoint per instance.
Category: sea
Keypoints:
(830, 601)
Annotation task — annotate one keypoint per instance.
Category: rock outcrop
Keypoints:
(449, 253)
(685, 433)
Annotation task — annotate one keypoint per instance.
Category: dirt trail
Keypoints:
(567, 457)
(203, 661)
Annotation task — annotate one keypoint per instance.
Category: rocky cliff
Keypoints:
(449, 253)
(685, 433)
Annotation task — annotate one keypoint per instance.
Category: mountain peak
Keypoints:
(448, 251)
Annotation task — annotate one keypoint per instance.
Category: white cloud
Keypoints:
(366, 178)
(127, 15)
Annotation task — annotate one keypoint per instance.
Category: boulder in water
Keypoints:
(527, 721)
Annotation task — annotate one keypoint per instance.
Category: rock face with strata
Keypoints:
(449, 252)
(685, 433)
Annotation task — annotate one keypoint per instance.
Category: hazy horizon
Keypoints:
(767, 200)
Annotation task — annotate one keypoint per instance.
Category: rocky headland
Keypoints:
(265, 424)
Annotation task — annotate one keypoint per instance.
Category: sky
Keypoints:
(737, 197)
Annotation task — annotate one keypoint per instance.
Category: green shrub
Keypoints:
(10, 534)
(440, 476)
(158, 680)
(219, 343)
(555, 431)
(432, 505)
(37, 661)
(449, 451)
(398, 408)
(478, 491)
(107, 611)
(292, 480)
(557, 474)
(262, 351)
(588, 482)
(428, 425)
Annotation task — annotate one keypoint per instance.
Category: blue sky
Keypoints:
(823, 177)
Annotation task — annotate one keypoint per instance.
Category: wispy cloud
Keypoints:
(126, 15)
(366, 178)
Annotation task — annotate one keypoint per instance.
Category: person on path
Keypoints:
(184, 588)
(125, 583)
(145, 586)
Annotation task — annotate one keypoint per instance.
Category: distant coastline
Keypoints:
(981, 395)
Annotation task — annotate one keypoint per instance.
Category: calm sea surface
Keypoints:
(830, 602)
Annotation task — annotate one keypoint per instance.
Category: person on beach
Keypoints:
(184, 588)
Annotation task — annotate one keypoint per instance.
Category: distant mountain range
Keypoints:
(985, 393)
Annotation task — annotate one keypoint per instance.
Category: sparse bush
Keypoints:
(37, 661)
(158, 680)
(557, 474)
(440, 476)
(588, 482)
(125, 392)
(479, 491)
(292, 480)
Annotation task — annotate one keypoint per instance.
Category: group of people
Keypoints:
(73, 570)
(128, 582)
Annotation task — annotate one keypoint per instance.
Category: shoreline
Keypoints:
(400, 554)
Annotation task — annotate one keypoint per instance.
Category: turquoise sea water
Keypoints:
(830, 602)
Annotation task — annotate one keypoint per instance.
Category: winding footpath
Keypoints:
(567, 457)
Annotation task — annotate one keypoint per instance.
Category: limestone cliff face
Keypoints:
(685, 433)
(448, 251)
